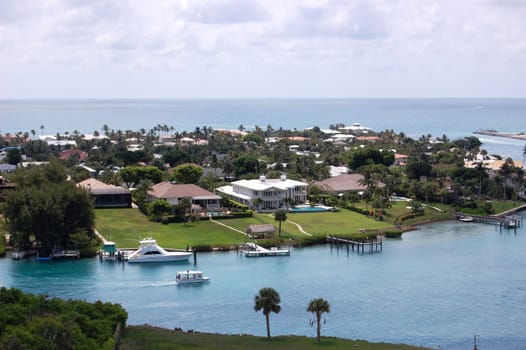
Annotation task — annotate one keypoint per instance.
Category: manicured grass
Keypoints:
(145, 337)
(127, 226)
(501, 206)
(340, 222)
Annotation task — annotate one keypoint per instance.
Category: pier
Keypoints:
(60, 254)
(507, 222)
(373, 246)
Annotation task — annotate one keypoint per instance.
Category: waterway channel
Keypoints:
(436, 287)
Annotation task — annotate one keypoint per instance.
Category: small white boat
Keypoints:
(150, 252)
(254, 250)
(18, 254)
(466, 219)
(188, 276)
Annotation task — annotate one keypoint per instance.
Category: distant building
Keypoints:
(67, 154)
(174, 193)
(5, 187)
(7, 168)
(401, 159)
(266, 194)
(338, 170)
(107, 196)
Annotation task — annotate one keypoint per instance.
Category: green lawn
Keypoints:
(127, 226)
(340, 222)
(145, 337)
(501, 206)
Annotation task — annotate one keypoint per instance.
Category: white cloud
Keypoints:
(365, 46)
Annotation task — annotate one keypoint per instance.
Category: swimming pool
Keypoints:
(309, 209)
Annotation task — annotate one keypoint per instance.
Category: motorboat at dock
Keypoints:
(150, 252)
(189, 277)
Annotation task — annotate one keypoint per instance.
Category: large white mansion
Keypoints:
(272, 193)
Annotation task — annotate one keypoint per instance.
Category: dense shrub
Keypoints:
(393, 233)
(202, 248)
(37, 322)
(237, 205)
(2, 246)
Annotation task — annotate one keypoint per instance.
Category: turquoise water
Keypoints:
(437, 286)
(308, 209)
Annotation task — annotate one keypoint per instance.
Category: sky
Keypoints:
(262, 49)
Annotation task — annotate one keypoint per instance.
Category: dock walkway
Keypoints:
(501, 220)
(373, 246)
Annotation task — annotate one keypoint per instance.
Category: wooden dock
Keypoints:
(64, 254)
(507, 222)
(373, 246)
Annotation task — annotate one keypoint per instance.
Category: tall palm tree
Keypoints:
(267, 300)
(280, 215)
(318, 307)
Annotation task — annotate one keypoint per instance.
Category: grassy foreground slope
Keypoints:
(146, 337)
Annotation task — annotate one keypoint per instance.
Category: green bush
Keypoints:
(202, 248)
(393, 233)
(37, 322)
(244, 214)
(238, 205)
(2, 245)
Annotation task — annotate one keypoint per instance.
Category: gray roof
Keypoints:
(263, 228)
(7, 167)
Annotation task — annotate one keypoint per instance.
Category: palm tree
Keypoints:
(267, 300)
(280, 215)
(318, 307)
(257, 202)
(370, 182)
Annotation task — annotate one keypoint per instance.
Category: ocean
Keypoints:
(415, 117)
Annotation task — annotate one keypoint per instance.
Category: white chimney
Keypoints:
(283, 177)
(262, 178)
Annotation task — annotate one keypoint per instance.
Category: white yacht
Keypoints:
(188, 276)
(149, 251)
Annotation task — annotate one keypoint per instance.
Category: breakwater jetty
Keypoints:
(517, 136)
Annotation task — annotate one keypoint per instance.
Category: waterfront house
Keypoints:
(266, 194)
(106, 196)
(174, 193)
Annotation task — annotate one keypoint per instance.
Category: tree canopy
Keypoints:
(132, 175)
(37, 322)
(49, 208)
(359, 157)
(187, 173)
